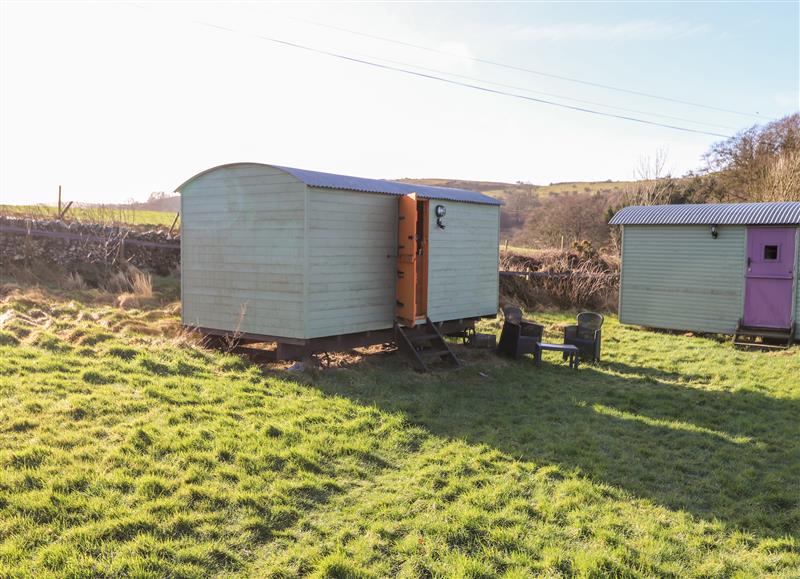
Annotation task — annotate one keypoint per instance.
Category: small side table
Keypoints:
(572, 353)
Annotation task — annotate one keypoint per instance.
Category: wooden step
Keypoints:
(763, 338)
(432, 355)
(422, 337)
(761, 345)
(423, 345)
(765, 333)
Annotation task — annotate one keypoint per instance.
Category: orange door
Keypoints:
(421, 306)
(406, 288)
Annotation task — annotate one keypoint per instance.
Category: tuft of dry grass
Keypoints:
(74, 281)
(142, 283)
(117, 282)
(231, 341)
(133, 285)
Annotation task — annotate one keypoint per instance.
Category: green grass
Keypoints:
(505, 190)
(126, 452)
(519, 250)
(93, 214)
(559, 189)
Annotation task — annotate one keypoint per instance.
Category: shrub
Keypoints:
(584, 279)
(8, 339)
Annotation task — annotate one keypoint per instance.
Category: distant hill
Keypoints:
(514, 195)
(520, 199)
(482, 186)
(507, 190)
(170, 203)
(157, 202)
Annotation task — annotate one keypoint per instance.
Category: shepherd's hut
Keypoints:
(718, 268)
(317, 261)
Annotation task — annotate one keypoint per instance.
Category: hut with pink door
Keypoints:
(715, 268)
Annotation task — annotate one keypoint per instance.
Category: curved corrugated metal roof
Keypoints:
(771, 213)
(333, 181)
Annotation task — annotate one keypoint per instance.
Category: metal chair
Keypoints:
(586, 335)
(519, 336)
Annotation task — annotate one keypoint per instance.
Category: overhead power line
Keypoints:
(460, 83)
(525, 69)
(555, 95)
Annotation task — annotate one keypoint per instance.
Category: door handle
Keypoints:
(749, 262)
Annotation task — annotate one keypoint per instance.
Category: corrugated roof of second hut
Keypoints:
(769, 213)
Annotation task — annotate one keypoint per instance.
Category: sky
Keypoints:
(115, 100)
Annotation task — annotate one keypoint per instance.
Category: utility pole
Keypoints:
(59, 199)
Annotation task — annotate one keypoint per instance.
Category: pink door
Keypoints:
(769, 282)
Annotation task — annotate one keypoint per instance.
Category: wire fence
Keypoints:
(176, 245)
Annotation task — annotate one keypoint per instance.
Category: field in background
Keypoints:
(557, 189)
(129, 450)
(507, 249)
(507, 190)
(513, 195)
(555, 215)
(103, 215)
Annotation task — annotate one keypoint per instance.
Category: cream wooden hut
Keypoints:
(314, 260)
(724, 268)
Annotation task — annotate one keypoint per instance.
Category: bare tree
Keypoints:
(780, 179)
(567, 219)
(654, 183)
(742, 162)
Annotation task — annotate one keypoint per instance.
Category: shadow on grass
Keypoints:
(655, 373)
(727, 455)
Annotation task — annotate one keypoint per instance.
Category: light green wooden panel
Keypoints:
(463, 261)
(679, 277)
(797, 287)
(352, 239)
(243, 247)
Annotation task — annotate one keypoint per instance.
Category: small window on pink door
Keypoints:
(770, 253)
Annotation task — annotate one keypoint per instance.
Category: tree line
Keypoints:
(761, 163)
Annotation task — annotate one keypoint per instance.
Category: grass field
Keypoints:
(128, 451)
(558, 189)
(505, 249)
(502, 190)
(107, 215)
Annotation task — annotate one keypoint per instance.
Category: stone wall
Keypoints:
(76, 246)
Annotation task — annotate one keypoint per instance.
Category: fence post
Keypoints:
(121, 254)
(64, 212)
(174, 221)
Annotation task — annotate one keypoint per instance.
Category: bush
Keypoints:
(8, 339)
(583, 279)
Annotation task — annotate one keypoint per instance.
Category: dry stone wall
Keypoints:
(77, 246)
